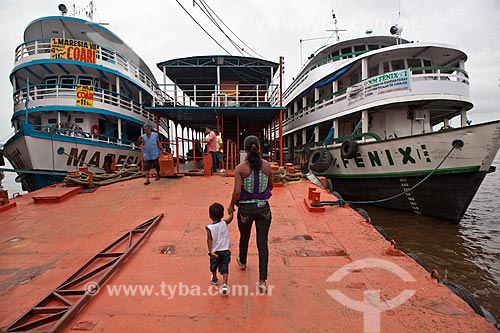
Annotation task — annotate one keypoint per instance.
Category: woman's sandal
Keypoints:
(242, 266)
(262, 287)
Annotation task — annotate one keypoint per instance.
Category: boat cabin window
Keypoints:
(386, 67)
(346, 50)
(52, 120)
(359, 48)
(67, 82)
(373, 70)
(398, 64)
(372, 47)
(427, 63)
(50, 83)
(85, 81)
(79, 120)
(414, 63)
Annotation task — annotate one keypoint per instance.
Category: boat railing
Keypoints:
(444, 73)
(45, 95)
(223, 95)
(418, 74)
(232, 157)
(41, 47)
(73, 130)
(192, 160)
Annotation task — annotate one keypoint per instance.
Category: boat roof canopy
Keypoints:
(75, 28)
(201, 71)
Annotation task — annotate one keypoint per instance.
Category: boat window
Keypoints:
(52, 120)
(386, 67)
(50, 83)
(427, 63)
(372, 47)
(398, 64)
(97, 83)
(373, 70)
(85, 81)
(414, 63)
(359, 48)
(346, 50)
(67, 82)
(335, 54)
(79, 120)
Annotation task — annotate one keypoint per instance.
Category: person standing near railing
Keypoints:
(219, 150)
(211, 142)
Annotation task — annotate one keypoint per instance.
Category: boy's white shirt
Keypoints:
(220, 236)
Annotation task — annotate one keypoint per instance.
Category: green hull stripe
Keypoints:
(407, 174)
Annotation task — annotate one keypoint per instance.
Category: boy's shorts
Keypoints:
(222, 262)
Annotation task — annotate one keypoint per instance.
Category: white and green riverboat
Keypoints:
(390, 103)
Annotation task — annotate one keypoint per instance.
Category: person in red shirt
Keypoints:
(211, 142)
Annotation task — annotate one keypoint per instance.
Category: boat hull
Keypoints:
(44, 158)
(442, 196)
(383, 169)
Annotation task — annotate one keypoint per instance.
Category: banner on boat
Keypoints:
(85, 95)
(378, 85)
(72, 49)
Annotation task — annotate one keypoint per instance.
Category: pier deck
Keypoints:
(42, 245)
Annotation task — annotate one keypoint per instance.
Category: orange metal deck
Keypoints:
(41, 245)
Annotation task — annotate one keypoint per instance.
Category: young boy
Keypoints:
(219, 245)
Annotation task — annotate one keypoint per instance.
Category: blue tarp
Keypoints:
(329, 79)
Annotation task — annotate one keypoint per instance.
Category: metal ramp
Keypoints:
(63, 303)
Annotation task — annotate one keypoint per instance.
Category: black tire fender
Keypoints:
(364, 214)
(382, 232)
(416, 259)
(348, 149)
(320, 160)
(464, 294)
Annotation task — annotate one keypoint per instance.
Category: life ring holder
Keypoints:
(95, 129)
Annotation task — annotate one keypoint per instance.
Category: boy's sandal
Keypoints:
(215, 281)
(224, 290)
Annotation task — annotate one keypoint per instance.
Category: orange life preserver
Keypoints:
(95, 129)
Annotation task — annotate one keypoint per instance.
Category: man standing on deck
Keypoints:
(219, 146)
(211, 142)
(151, 151)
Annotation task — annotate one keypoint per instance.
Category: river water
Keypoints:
(467, 253)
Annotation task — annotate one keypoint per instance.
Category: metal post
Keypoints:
(281, 111)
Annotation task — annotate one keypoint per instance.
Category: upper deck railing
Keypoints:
(47, 95)
(447, 76)
(221, 95)
(41, 49)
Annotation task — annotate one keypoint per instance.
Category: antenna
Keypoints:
(397, 29)
(90, 13)
(336, 30)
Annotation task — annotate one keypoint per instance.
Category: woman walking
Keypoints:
(253, 182)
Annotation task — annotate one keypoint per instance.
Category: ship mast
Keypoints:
(336, 30)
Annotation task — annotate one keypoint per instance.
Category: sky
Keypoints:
(160, 30)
